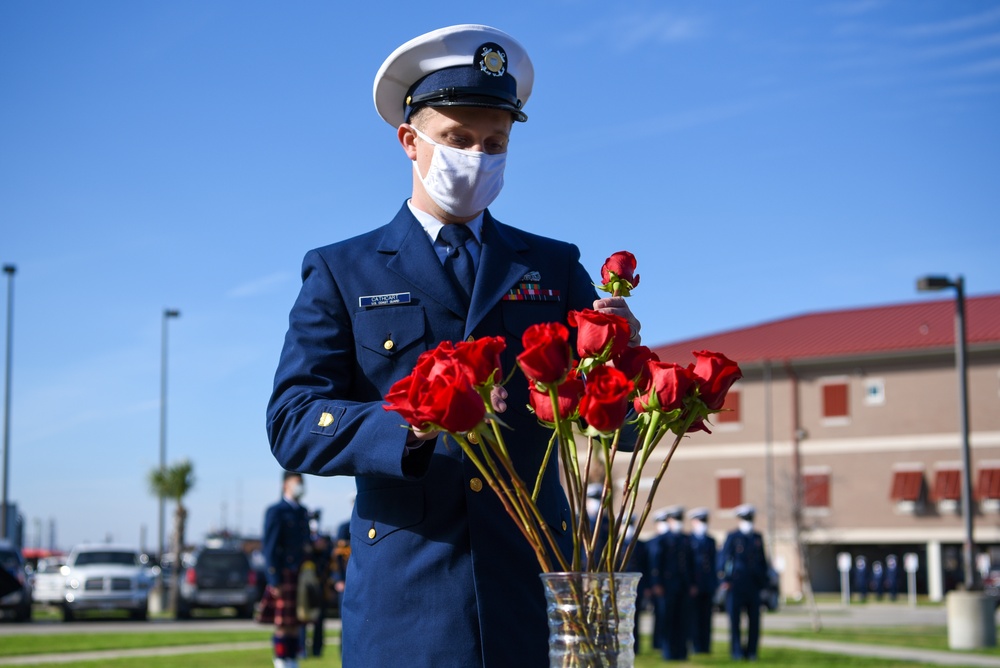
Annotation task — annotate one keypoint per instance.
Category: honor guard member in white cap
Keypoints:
(706, 580)
(439, 574)
(743, 567)
(672, 571)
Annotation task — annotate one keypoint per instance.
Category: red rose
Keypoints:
(595, 331)
(669, 383)
(622, 264)
(716, 373)
(569, 393)
(632, 363)
(605, 401)
(438, 392)
(546, 355)
(482, 358)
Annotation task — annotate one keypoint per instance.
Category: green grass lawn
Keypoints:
(21, 645)
(920, 637)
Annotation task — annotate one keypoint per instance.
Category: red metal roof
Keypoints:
(924, 325)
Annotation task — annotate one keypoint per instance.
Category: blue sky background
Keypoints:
(761, 159)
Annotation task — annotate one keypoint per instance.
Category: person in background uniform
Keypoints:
(878, 583)
(660, 523)
(286, 536)
(861, 577)
(321, 553)
(439, 573)
(673, 572)
(341, 555)
(892, 576)
(706, 579)
(638, 564)
(743, 567)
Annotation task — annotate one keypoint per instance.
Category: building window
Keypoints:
(947, 490)
(816, 488)
(908, 489)
(730, 489)
(730, 409)
(988, 486)
(874, 391)
(947, 485)
(835, 400)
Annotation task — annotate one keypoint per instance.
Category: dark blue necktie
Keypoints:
(458, 263)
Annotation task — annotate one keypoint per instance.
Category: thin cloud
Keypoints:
(260, 286)
(631, 31)
(963, 24)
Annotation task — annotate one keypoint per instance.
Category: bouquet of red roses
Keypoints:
(588, 401)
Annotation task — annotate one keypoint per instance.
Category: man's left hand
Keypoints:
(618, 306)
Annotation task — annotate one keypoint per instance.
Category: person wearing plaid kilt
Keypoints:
(286, 534)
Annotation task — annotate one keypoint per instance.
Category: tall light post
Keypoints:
(167, 314)
(10, 270)
(931, 283)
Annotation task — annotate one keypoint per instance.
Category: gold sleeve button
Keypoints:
(472, 437)
(372, 533)
(388, 345)
(476, 485)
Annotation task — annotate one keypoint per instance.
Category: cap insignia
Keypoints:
(492, 59)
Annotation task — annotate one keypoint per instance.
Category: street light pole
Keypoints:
(929, 283)
(10, 270)
(167, 314)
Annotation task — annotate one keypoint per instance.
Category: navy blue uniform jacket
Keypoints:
(439, 575)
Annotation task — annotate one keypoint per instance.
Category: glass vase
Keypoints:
(591, 619)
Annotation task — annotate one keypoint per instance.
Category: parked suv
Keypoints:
(104, 577)
(217, 577)
(17, 603)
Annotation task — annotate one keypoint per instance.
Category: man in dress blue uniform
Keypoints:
(654, 543)
(743, 567)
(706, 579)
(892, 576)
(672, 576)
(639, 563)
(861, 577)
(439, 573)
(286, 535)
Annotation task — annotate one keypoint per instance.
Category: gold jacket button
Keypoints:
(471, 338)
(472, 437)
(371, 533)
(388, 344)
(564, 525)
(476, 485)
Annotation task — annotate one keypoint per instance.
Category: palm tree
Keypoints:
(174, 482)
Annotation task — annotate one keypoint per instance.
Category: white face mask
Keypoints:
(746, 526)
(699, 528)
(298, 491)
(461, 182)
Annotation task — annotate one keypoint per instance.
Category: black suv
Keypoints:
(217, 577)
(17, 602)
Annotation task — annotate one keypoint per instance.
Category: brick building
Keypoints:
(864, 404)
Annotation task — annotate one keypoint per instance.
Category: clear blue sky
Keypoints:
(761, 159)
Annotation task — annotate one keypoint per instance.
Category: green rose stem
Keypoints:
(681, 432)
(526, 500)
(544, 466)
(650, 437)
(517, 513)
